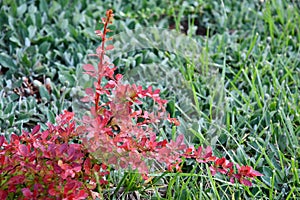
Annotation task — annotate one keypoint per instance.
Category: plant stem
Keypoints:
(109, 15)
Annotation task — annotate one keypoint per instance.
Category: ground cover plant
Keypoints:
(253, 45)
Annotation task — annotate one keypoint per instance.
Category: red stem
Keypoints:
(100, 64)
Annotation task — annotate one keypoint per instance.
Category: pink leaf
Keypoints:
(89, 91)
(208, 152)
(36, 129)
(99, 33)
(26, 192)
(85, 99)
(89, 68)
(23, 150)
(92, 55)
(179, 140)
(212, 170)
(245, 182)
(109, 47)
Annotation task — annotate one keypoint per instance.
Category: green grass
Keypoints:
(247, 74)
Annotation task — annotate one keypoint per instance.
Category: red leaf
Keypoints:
(2, 160)
(1, 140)
(188, 152)
(23, 150)
(14, 139)
(212, 170)
(81, 195)
(143, 141)
(103, 166)
(179, 140)
(248, 171)
(99, 33)
(245, 182)
(220, 161)
(109, 47)
(16, 180)
(89, 68)
(52, 191)
(208, 152)
(65, 118)
(3, 194)
(12, 188)
(70, 186)
(255, 173)
(85, 99)
(89, 91)
(96, 167)
(162, 143)
(26, 192)
(36, 129)
(244, 170)
(119, 76)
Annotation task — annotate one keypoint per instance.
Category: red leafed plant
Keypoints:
(135, 144)
(69, 162)
(47, 165)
